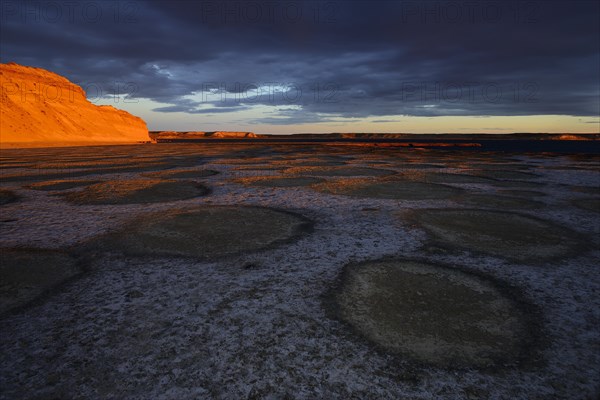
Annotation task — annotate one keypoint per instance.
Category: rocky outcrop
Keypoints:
(41, 107)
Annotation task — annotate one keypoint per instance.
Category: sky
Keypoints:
(323, 66)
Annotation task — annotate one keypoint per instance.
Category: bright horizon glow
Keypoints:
(244, 120)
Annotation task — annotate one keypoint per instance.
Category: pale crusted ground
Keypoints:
(259, 324)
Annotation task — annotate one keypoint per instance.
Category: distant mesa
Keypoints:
(203, 135)
(40, 107)
(378, 139)
(225, 134)
(567, 136)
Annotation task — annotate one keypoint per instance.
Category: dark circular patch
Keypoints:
(184, 174)
(310, 163)
(522, 193)
(279, 181)
(495, 166)
(28, 273)
(588, 204)
(62, 184)
(502, 234)
(506, 174)
(7, 196)
(137, 191)
(442, 177)
(433, 314)
(493, 201)
(259, 167)
(208, 232)
(595, 190)
(390, 189)
(66, 173)
(339, 171)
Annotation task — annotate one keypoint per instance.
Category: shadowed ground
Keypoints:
(28, 273)
(588, 204)
(7, 196)
(586, 189)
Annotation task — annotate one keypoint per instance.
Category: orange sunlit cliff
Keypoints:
(40, 107)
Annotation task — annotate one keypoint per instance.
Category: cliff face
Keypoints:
(38, 106)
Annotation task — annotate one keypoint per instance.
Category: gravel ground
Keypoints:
(258, 324)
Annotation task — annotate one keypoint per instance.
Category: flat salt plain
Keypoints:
(300, 272)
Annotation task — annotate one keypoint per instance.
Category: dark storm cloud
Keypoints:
(330, 60)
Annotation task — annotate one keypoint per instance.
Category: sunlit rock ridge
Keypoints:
(39, 107)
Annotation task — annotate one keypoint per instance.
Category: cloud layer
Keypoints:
(311, 61)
